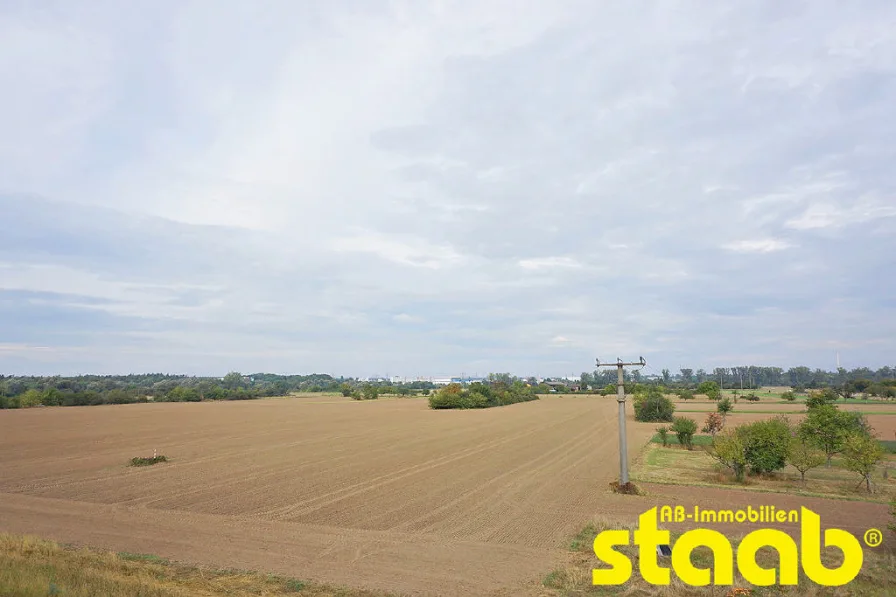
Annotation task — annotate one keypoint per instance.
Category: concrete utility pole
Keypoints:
(620, 399)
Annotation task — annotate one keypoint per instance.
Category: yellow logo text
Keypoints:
(808, 555)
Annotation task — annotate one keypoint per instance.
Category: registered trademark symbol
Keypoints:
(873, 537)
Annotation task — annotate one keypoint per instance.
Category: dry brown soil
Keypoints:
(383, 494)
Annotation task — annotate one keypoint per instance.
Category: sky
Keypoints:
(436, 187)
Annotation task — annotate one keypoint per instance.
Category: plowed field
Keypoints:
(382, 494)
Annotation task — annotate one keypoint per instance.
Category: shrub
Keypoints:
(713, 423)
(147, 461)
(370, 392)
(653, 407)
(686, 394)
(663, 432)
(789, 396)
(766, 444)
(346, 389)
(685, 429)
(752, 397)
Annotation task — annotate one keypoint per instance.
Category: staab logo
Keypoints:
(648, 537)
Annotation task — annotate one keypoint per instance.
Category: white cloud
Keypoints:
(549, 263)
(759, 245)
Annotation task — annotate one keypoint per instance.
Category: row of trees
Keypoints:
(767, 446)
(747, 377)
(482, 395)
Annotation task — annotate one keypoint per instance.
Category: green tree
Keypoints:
(710, 389)
(233, 380)
(820, 398)
(861, 453)
(685, 429)
(803, 456)
(827, 427)
(728, 448)
(724, 407)
(31, 398)
(370, 392)
(766, 444)
(789, 396)
(686, 394)
(346, 389)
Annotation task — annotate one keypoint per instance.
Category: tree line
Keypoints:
(91, 390)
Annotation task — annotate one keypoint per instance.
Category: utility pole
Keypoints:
(620, 398)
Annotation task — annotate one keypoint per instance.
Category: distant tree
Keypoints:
(724, 407)
(667, 377)
(685, 429)
(31, 398)
(346, 389)
(686, 394)
(803, 456)
(820, 398)
(789, 396)
(687, 376)
(713, 424)
(370, 392)
(709, 389)
(861, 453)
(233, 380)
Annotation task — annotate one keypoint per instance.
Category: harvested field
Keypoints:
(383, 494)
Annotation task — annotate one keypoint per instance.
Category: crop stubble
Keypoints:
(385, 494)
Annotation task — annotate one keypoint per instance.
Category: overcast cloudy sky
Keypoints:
(417, 187)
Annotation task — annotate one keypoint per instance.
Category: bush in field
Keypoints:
(370, 392)
(686, 394)
(685, 429)
(821, 398)
(713, 424)
(663, 432)
(482, 395)
(752, 397)
(789, 396)
(766, 444)
(346, 389)
(653, 407)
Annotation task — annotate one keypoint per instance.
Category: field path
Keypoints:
(383, 494)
